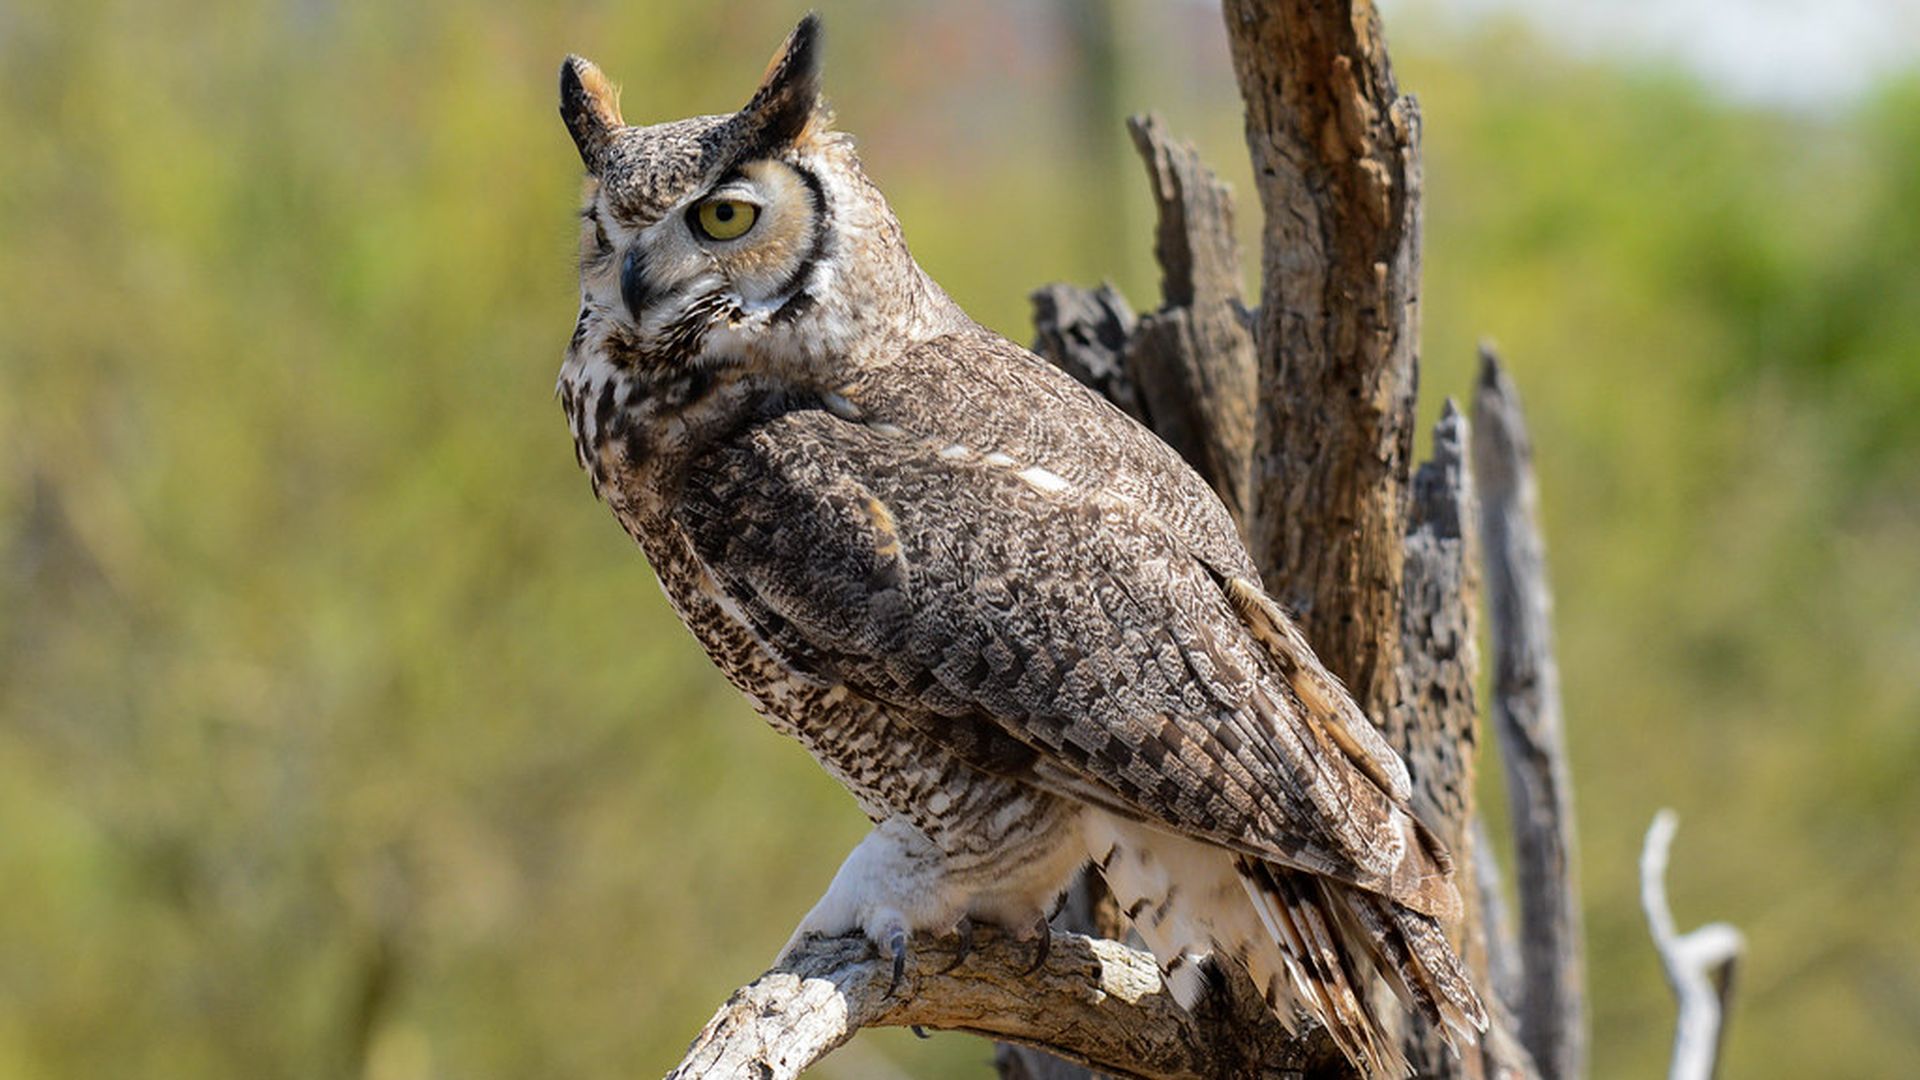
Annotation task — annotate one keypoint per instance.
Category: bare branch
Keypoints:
(1093, 1001)
(1089, 909)
(1527, 721)
(1700, 965)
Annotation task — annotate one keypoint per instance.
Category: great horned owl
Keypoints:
(1008, 618)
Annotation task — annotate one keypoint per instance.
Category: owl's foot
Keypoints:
(896, 939)
(964, 930)
(1041, 947)
(896, 946)
(891, 886)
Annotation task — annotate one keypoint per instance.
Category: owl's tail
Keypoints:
(1308, 943)
(1332, 936)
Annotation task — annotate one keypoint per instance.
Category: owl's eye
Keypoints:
(725, 219)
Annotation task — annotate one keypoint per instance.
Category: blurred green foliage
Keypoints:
(340, 734)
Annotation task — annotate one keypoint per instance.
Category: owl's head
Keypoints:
(747, 239)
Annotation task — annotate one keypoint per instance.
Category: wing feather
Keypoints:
(950, 587)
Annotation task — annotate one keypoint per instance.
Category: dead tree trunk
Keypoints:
(1336, 162)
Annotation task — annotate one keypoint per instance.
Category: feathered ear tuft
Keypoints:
(789, 94)
(591, 108)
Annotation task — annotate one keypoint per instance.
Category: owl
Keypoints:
(1018, 628)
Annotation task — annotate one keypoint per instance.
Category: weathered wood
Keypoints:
(1501, 1054)
(1496, 921)
(1700, 965)
(1084, 333)
(1434, 729)
(1336, 160)
(1089, 909)
(1192, 360)
(1527, 722)
(1098, 1002)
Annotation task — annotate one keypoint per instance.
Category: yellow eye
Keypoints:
(726, 219)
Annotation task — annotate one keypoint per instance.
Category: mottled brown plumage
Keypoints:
(1014, 623)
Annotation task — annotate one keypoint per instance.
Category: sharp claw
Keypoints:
(1040, 950)
(918, 1031)
(964, 928)
(897, 945)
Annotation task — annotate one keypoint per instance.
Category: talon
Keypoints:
(897, 945)
(1040, 950)
(963, 928)
(918, 1031)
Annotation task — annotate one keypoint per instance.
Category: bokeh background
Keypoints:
(341, 734)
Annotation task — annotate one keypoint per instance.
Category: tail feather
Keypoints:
(1310, 944)
(1314, 935)
(1166, 884)
(1412, 950)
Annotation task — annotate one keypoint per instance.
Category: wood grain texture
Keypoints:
(1192, 360)
(1527, 722)
(1435, 727)
(1097, 1002)
(1336, 160)
(1436, 730)
(1085, 332)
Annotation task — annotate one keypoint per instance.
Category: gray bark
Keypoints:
(1434, 727)
(1192, 360)
(1527, 721)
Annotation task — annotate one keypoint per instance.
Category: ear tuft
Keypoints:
(789, 93)
(590, 105)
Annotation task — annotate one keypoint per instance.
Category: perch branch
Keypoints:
(1093, 1001)
(1527, 721)
(1089, 909)
(1700, 965)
